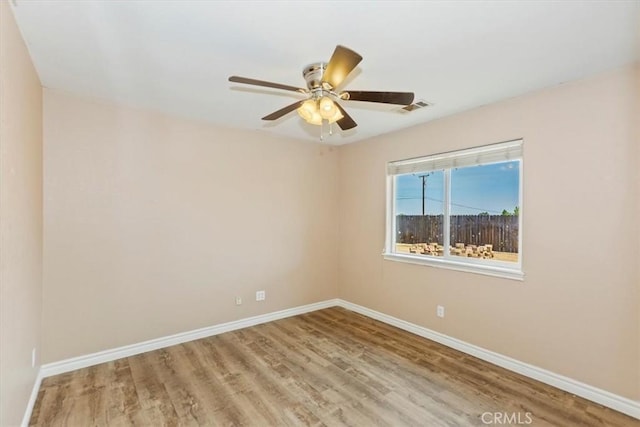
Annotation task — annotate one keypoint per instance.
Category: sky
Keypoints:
(487, 188)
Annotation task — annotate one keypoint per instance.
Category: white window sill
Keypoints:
(488, 270)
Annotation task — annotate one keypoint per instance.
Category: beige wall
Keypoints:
(154, 224)
(576, 313)
(20, 220)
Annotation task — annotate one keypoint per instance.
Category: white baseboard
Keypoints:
(79, 362)
(603, 397)
(32, 400)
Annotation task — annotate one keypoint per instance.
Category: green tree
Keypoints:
(516, 212)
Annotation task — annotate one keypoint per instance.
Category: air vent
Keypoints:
(416, 106)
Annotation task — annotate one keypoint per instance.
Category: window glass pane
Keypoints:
(484, 211)
(419, 211)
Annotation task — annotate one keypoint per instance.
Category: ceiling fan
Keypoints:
(323, 79)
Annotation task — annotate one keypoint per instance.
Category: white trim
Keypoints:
(389, 238)
(451, 264)
(32, 399)
(482, 155)
(446, 214)
(594, 394)
(92, 359)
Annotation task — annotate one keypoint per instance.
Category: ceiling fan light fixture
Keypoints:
(316, 119)
(314, 111)
(307, 110)
(311, 112)
(327, 108)
(336, 116)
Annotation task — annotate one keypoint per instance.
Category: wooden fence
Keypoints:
(501, 231)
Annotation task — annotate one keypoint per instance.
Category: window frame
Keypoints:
(504, 269)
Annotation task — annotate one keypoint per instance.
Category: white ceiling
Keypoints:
(176, 56)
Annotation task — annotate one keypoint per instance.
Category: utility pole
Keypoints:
(424, 189)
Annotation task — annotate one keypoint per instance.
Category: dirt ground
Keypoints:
(498, 256)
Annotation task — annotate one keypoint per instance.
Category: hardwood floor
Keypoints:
(331, 367)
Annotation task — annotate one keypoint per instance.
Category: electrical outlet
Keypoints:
(440, 311)
(260, 296)
(238, 300)
(33, 358)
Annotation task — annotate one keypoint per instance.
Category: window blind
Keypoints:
(494, 153)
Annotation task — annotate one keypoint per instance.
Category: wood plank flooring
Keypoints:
(331, 367)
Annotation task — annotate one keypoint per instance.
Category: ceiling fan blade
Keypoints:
(401, 98)
(281, 112)
(346, 122)
(342, 62)
(238, 79)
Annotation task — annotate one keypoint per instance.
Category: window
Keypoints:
(460, 210)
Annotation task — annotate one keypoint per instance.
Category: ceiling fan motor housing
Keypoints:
(313, 74)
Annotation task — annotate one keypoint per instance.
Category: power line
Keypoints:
(453, 204)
